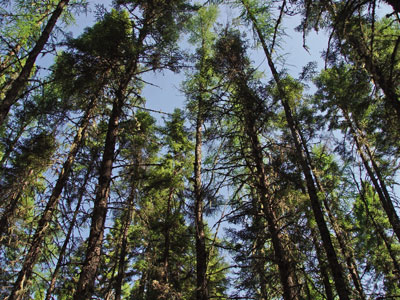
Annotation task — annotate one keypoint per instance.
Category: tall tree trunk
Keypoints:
(347, 252)
(286, 272)
(21, 81)
(86, 281)
(167, 235)
(258, 252)
(61, 255)
(201, 252)
(341, 237)
(336, 268)
(323, 268)
(30, 259)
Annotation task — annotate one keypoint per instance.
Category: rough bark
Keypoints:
(21, 81)
(323, 268)
(341, 236)
(346, 251)
(86, 281)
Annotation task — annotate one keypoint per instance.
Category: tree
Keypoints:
(198, 92)
(285, 99)
(118, 32)
(233, 64)
(19, 83)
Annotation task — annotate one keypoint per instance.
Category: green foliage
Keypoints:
(370, 245)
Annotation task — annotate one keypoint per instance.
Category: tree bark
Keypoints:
(30, 259)
(323, 268)
(85, 285)
(21, 81)
(341, 237)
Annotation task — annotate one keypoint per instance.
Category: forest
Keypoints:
(263, 185)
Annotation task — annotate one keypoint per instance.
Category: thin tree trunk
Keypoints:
(323, 266)
(258, 252)
(201, 252)
(124, 246)
(336, 268)
(376, 177)
(30, 259)
(11, 208)
(167, 235)
(381, 233)
(21, 81)
(68, 235)
(346, 252)
(11, 146)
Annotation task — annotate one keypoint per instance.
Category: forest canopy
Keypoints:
(263, 185)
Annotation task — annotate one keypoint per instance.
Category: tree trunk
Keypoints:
(323, 268)
(68, 235)
(286, 272)
(336, 268)
(167, 235)
(124, 246)
(86, 281)
(347, 252)
(341, 237)
(382, 234)
(258, 252)
(21, 81)
(376, 177)
(201, 252)
(43, 224)
(12, 206)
